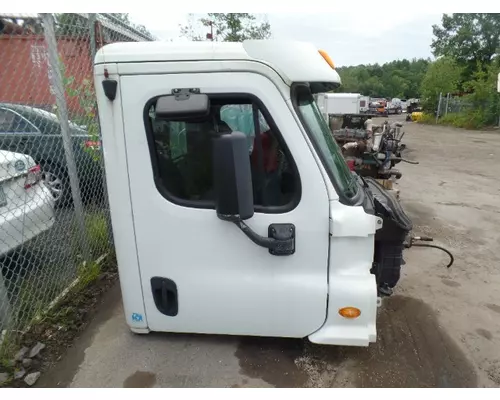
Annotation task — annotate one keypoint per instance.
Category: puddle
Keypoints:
(484, 333)
(273, 360)
(412, 350)
(140, 379)
(494, 307)
(450, 283)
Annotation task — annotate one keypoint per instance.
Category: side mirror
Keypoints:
(232, 177)
(234, 194)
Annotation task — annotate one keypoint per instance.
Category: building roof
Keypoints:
(296, 61)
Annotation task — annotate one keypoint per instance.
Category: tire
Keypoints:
(56, 180)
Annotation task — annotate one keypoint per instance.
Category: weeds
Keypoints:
(473, 120)
(34, 292)
(97, 230)
(96, 235)
(87, 274)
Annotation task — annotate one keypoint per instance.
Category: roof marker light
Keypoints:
(327, 58)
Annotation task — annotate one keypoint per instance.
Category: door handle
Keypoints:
(165, 295)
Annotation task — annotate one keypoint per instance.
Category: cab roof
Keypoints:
(295, 61)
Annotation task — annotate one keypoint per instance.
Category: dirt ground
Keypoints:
(440, 329)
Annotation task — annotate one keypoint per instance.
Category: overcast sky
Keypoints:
(349, 38)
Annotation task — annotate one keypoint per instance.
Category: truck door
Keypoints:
(199, 273)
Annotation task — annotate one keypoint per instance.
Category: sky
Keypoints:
(350, 38)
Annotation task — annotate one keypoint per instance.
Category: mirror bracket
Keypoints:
(184, 94)
(281, 239)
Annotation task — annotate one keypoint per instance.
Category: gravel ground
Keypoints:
(440, 329)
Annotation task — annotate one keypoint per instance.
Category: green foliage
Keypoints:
(483, 98)
(232, 27)
(96, 226)
(96, 236)
(469, 44)
(472, 39)
(87, 274)
(399, 78)
(85, 93)
(427, 118)
(442, 76)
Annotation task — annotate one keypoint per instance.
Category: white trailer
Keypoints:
(341, 103)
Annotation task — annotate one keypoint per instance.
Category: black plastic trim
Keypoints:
(165, 295)
(110, 87)
(249, 99)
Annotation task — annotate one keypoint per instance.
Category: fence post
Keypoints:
(62, 112)
(447, 102)
(93, 51)
(5, 311)
(439, 106)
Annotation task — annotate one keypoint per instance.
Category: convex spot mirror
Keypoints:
(182, 105)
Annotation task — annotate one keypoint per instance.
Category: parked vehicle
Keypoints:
(394, 106)
(37, 132)
(364, 104)
(404, 105)
(242, 224)
(378, 107)
(341, 104)
(26, 205)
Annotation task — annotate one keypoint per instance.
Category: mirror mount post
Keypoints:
(281, 239)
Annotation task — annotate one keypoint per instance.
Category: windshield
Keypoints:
(322, 138)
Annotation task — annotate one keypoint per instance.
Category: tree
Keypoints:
(233, 27)
(468, 38)
(443, 76)
(400, 78)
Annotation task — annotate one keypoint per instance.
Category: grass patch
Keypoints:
(58, 327)
(96, 225)
(87, 274)
(96, 236)
(473, 120)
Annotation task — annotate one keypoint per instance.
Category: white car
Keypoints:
(26, 205)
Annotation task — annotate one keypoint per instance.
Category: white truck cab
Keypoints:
(233, 210)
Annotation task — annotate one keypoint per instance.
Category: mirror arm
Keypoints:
(268, 243)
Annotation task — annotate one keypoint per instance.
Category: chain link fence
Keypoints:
(468, 111)
(54, 214)
(449, 104)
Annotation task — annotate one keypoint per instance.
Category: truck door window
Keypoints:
(182, 155)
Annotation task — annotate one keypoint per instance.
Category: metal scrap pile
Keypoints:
(374, 150)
